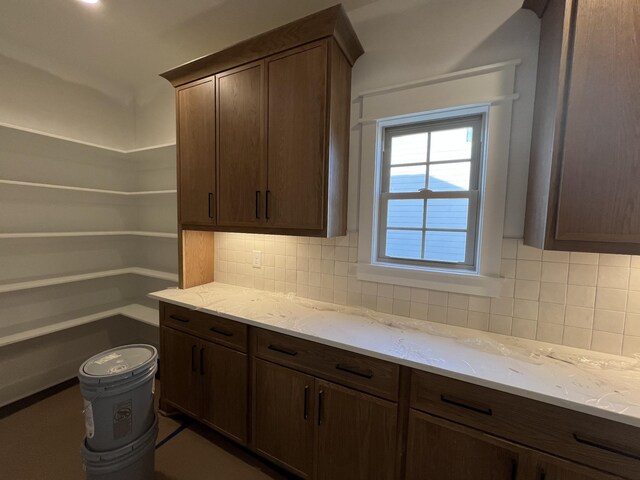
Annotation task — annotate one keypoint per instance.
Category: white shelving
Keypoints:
(46, 282)
(83, 189)
(133, 309)
(88, 234)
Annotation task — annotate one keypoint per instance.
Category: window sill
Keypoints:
(448, 281)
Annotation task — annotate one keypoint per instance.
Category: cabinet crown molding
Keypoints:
(331, 22)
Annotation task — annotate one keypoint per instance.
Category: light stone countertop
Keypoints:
(599, 384)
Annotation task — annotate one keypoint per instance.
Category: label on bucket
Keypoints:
(88, 419)
(122, 419)
(106, 358)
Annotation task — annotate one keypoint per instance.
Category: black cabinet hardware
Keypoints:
(320, 406)
(211, 205)
(306, 402)
(221, 331)
(266, 205)
(360, 372)
(464, 404)
(285, 350)
(620, 450)
(179, 318)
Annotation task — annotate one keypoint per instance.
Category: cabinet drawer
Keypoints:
(590, 440)
(207, 326)
(351, 369)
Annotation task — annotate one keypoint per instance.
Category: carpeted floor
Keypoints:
(42, 442)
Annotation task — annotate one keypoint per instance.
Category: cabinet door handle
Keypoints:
(320, 406)
(306, 402)
(514, 470)
(179, 318)
(193, 358)
(542, 475)
(221, 331)
(360, 372)
(592, 442)
(463, 404)
(285, 350)
(266, 205)
(258, 204)
(211, 205)
(202, 361)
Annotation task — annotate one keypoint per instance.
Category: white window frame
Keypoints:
(476, 121)
(487, 90)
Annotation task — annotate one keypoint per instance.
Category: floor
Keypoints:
(42, 442)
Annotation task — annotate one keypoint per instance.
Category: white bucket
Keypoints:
(131, 462)
(118, 387)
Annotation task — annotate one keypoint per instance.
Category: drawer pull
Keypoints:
(320, 406)
(542, 475)
(360, 372)
(514, 470)
(285, 350)
(179, 318)
(460, 403)
(609, 448)
(306, 402)
(221, 331)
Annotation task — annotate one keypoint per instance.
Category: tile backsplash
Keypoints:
(584, 300)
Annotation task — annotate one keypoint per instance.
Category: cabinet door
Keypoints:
(598, 198)
(224, 379)
(196, 152)
(297, 93)
(551, 468)
(241, 147)
(356, 435)
(440, 449)
(283, 416)
(180, 370)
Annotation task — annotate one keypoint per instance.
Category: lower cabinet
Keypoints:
(206, 380)
(321, 430)
(546, 467)
(438, 449)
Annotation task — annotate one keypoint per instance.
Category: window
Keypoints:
(430, 193)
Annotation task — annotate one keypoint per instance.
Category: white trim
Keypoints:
(131, 309)
(47, 282)
(88, 234)
(82, 142)
(82, 189)
(470, 72)
(490, 88)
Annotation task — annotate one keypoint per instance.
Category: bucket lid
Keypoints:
(118, 363)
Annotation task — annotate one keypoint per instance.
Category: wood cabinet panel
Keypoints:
(196, 152)
(284, 402)
(224, 376)
(546, 467)
(599, 198)
(297, 99)
(351, 369)
(241, 153)
(180, 373)
(356, 435)
(438, 449)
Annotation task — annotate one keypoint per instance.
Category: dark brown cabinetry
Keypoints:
(201, 377)
(585, 165)
(546, 467)
(441, 449)
(280, 142)
(196, 152)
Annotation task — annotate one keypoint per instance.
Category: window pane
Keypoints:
(445, 246)
(407, 179)
(409, 148)
(447, 213)
(405, 213)
(404, 244)
(451, 144)
(449, 177)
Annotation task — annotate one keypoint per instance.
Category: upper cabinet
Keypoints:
(585, 154)
(263, 131)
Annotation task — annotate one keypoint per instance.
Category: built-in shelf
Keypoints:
(82, 143)
(83, 189)
(47, 282)
(89, 234)
(132, 308)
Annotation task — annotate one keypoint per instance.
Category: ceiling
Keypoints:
(120, 46)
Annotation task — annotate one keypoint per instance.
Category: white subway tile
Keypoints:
(577, 337)
(606, 342)
(632, 324)
(502, 306)
(550, 332)
(581, 296)
(578, 316)
(584, 258)
(478, 320)
(611, 299)
(508, 268)
(479, 304)
(613, 277)
(555, 256)
(631, 346)
(418, 311)
(437, 313)
(524, 328)
(580, 274)
(458, 301)
(609, 321)
(369, 301)
(615, 260)
(555, 272)
(551, 313)
(456, 316)
(420, 295)
(500, 324)
(385, 305)
(528, 269)
(438, 298)
(527, 290)
(509, 248)
(553, 292)
(401, 293)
